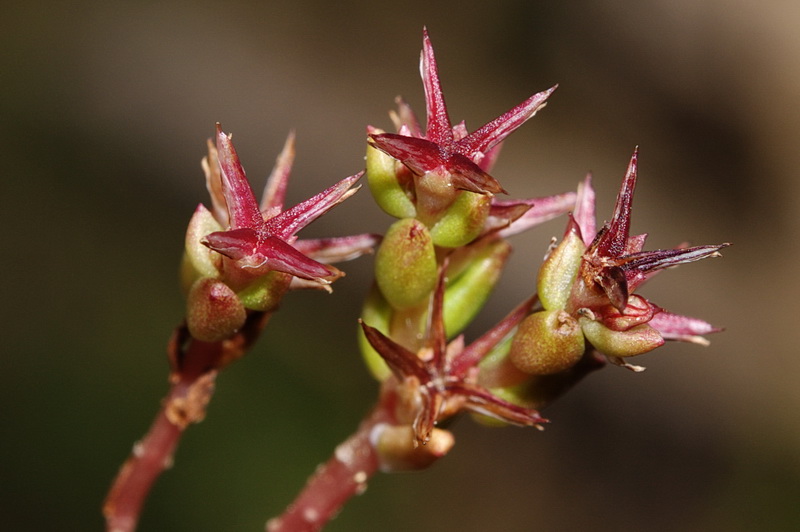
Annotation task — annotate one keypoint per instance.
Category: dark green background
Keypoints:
(104, 112)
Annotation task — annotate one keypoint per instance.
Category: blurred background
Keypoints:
(105, 109)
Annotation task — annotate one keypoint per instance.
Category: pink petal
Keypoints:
(337, 249)
(438, 129)
(543, 209)
(288, 223)
(400, 360)
(682, 328)
(489, 135)
(242, 206)
(584, 213)
(614, 241)
(275, 190)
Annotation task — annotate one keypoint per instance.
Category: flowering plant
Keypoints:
(435, 267)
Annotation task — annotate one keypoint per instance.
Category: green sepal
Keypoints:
(558, 271)
(385, 187)
(265, 292)
(405, 264)
(376, 313)
(198, 260)
(467, 292)
(463, 220)
(635, 341)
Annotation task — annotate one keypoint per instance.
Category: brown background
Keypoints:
(105, 108)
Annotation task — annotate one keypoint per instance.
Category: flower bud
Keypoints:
(558, 272)
(198, 260)
(398, 449)
(463, 220)
(547, 342)
(384, 185)
(405, 264)
(213, 311)
(635, 341)
(467, 292)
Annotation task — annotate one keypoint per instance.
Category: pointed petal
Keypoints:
(210, 165)
(289, 222)
(489, 135)
(614, 241)
(438, 129)
(436, 331)
(235, 244)
(271, 253)
(584, 213)
(400, 360)
(420, 155)
(242, 206)
(482, 401)
(338, 249)
(466, 175)
(275, 189)
(543, 209)
(276, 254)
(682, 328)
(477, 350)
(405, 116)
(645, 262)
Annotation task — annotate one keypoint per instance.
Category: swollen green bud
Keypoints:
(198, 260)
(265, 292)
(405, 264)
(634, 341)
(466, 294)
(213, 311)
(463, 220)
(558, 272)
(547, 342)
(384, 185)
(376, 313)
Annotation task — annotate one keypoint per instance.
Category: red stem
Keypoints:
(194, 369)
(345, 474)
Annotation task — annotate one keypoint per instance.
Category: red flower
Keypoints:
(450, 153)
(442, 378)
(262, 238)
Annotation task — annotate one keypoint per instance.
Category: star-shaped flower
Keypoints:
(592, 279)
(441, 379)
(262, 238)
(458, 158)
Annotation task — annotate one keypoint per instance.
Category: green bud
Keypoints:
(558, 272)
(384, 185)
(405, 264)
(547, 342)
(265, 292)
(466, 293)
(213, 311)
(376, 313)
(198, 260)
(463, 220)
(634, 341)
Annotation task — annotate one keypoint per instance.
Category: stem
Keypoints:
(194, 367)
(333, 483)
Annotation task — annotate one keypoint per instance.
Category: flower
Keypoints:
(586, 286)
(441, 176)
(241, 256)
(263, 242)
(459, 158)
(442, 379)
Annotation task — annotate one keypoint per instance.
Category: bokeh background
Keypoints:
(104, 112)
